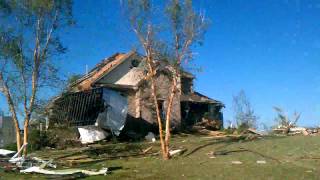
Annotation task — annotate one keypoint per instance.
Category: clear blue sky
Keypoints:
(270, 49)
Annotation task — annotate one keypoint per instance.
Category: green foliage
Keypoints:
(59, 138)
(73, 78)
(174, 27)
(11, 147)
(38, 140)
(139, 12)
(29, 46)
(187, 29)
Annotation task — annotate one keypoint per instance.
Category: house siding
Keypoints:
(7, 131)
(124, 74)
(148, 114)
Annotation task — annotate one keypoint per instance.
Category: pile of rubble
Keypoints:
(297, 131)
(21, 164)
(208, 124)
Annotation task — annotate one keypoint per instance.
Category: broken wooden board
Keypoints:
(76, 157)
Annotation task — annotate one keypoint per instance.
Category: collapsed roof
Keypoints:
(126, 82)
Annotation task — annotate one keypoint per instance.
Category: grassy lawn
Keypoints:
(285, 157)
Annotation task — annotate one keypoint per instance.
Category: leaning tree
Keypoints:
(29, 45)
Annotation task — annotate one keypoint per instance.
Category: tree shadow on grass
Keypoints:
(228, 141)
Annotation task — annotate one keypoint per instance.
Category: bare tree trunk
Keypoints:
(16, 125)
(17, 128)
(25, 134)
(148, 51)
(12, 110)
(168, 113)
(165, 153)
(34, 84)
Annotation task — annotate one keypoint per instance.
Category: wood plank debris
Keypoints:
(39, 170)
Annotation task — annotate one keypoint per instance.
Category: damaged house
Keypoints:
(116, 96)
(7, 131)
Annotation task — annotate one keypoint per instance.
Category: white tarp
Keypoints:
(4, 152)
(115, 114)
(90, 134)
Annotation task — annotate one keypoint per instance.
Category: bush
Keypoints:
(37, 140)
(11, 146)
(59, 138)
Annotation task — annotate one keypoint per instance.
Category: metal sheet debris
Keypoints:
(90, 134)
(36, 169)
(115, 114)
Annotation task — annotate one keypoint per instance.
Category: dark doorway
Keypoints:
(191, 113)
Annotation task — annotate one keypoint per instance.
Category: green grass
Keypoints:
(196, 164)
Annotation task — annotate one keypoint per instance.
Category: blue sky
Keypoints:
(270, 49)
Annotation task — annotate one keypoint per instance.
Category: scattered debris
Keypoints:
(177, 152)
(44, 163)
(280, 130)
(208, 124)
(254, 131)
(236, 162)
(18, 160)
(150, 137)
(76, 157)
(297, 131)
(211, 133)
(305, 133)
(36, 169)
(261, 162)
(4, 152)
(211, 153)
(91, 134)
(284, 122)
(147, 150)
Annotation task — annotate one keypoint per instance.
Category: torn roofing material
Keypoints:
(200, 98)
(100, 70)
(186, 74)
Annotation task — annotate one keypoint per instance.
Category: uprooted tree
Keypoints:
(29, 46)
(284, 121)
(243, 111)
(184, 28)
